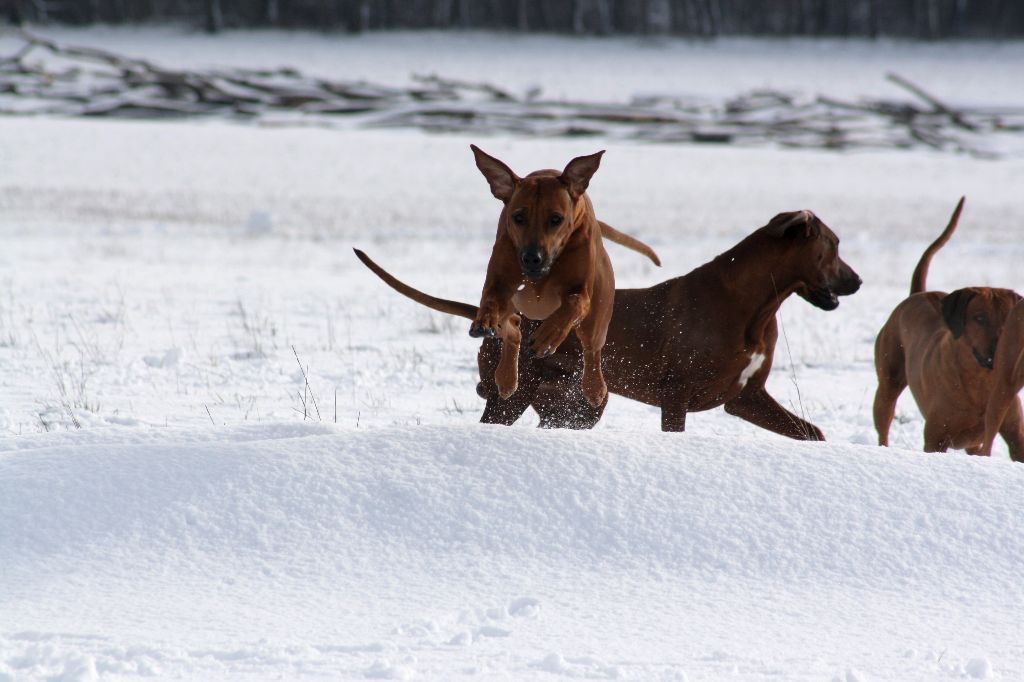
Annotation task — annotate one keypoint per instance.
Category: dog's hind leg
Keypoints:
(673, 410)
(760, 409)
(884, 409)
(892, 379)
(564, 407)
(1012, 430)
(505, 411)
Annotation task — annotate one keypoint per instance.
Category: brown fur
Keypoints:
(943, 347)
(686, 344)
(548, 263)
(1003, 410)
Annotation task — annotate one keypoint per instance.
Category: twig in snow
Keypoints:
(792, 366)
(308, 388)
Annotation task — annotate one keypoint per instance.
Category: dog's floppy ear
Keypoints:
(499, 176)
(578, 172)
(954, 310)
(791, 224)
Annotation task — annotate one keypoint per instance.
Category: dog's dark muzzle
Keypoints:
(826, 297)
(847, 285)
(534, 262)
(823, 298)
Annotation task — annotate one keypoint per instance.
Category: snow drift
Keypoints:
(269, 532)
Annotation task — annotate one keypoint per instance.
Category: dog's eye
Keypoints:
(518, 218)
(556, 220)
(981, 320)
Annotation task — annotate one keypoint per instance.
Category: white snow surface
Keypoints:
(450, 551)
(209, 521)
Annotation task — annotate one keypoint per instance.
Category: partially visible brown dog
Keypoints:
(943, 346)
(692, 343)
(1003, 412)
(548, 263)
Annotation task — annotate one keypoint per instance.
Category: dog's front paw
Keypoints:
(487, 322)
(479, 330)
(506, 385)
(546, 340)
(506, 376)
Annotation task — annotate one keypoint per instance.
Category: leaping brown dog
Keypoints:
(692, 343)
(548, 263)
(943, 346)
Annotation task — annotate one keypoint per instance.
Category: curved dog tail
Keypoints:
(440, 304)
(623, 239)
(917, 281)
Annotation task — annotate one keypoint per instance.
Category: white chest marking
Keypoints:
(756, 360)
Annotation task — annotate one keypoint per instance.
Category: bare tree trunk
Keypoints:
(592, 16)
(271, 12)
(657, 16)
(873, 22)
(15, 12)
(443, 13)
(806, 23)
(364, 15)
(959, 18)
(715, 17)
(522, 16)
(465, 13)
(214, 17)
(604, 17)
(933, 19)
(39, 7)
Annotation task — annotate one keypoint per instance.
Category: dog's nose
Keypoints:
(531, 258)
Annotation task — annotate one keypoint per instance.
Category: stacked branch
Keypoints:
(45, 77)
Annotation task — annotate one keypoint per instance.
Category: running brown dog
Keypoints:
(692, 343)
(943, 346)
(1003, 412)
(548, 263)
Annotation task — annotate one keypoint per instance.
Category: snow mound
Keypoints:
(764, 508)
(284, 531)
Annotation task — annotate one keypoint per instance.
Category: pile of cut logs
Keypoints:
(42, 76)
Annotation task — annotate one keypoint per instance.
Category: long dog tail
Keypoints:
(613, 235)
(440, 304)
(917, 281)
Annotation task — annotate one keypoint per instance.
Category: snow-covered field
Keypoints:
(209, 520)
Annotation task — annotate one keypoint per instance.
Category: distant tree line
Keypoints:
(926, 19)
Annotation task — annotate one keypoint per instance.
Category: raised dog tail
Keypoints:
(613, 235)
(439, 304)
(917, 281)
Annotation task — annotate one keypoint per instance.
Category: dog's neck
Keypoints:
(755, 276)
(582, 212)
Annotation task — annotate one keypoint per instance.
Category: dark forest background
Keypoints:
(923, 19)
